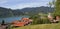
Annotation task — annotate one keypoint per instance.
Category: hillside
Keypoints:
(4, 12)
(7, 12)
(36, 10)
(41, 26)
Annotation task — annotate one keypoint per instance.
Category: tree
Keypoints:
(53, 2)
(57, 8)
(50, 4)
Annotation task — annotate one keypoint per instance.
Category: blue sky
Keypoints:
(19, 4)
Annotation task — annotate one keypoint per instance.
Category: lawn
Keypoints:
(41, 26)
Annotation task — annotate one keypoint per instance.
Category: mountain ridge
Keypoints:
(25, 11)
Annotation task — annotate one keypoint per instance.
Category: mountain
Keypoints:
(36, 10)
(17, 12)
(4, 12)
(7, 12)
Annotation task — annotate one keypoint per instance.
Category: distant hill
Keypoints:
(36, 10)
(17, 12)
(6, 12)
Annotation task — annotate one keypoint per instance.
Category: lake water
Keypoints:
(10, 19)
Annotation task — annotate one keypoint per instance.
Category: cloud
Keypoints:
(24, 5)
(19, 4)
(3, 1)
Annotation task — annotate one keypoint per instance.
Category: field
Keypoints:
(41, 26)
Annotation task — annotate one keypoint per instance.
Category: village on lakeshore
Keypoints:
(29, 14)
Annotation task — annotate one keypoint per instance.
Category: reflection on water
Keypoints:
(10, 19)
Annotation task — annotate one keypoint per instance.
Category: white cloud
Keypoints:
(27, 5)
(19, 6)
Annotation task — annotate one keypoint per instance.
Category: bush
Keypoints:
(45, 21)
(38, 20)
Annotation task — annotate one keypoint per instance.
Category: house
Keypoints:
(22, 22)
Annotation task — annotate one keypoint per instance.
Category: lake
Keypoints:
(10, 19)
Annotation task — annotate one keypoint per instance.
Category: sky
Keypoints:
(19, 4)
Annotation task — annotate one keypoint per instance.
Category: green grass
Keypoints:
(41, 26)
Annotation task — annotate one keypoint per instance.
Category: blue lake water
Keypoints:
(10, 19)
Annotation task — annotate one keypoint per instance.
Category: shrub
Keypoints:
(38, 20)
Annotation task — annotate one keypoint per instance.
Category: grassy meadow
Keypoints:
(41, 26)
